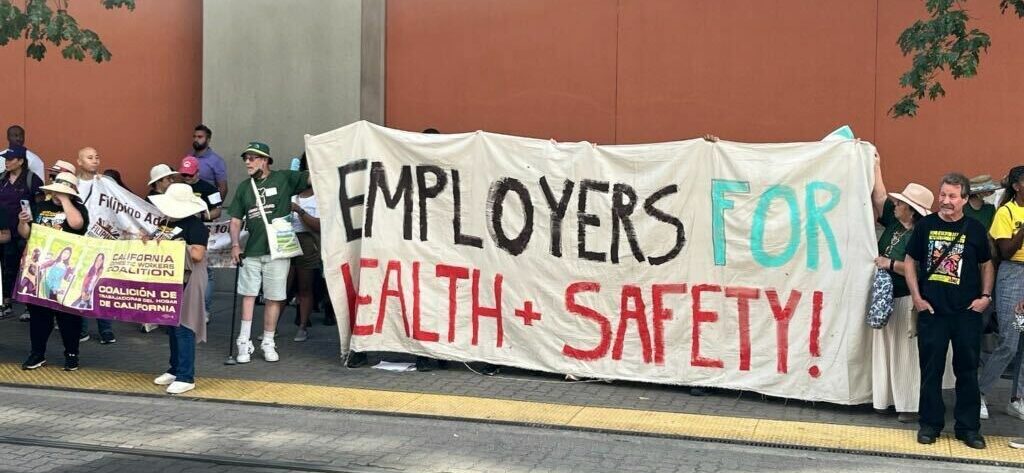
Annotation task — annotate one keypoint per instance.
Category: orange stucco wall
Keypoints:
(137, 110)
(632, 71)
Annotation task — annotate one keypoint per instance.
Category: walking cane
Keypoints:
(230, 360)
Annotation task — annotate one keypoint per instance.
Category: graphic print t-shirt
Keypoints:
(956, 281)
(52, 215)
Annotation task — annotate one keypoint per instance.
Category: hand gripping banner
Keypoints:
(741, 266)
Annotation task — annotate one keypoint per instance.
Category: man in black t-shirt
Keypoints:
(950, 275)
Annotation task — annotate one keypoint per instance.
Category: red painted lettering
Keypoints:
(419, 333)
(782, 318)
(661, 314)
(586, 312)
(386, 292)
(354, 298)
(453, 273)
(637, 313)
(743, 296)
(480, 311)
(702, 316)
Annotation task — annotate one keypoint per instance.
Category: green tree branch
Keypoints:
(40, 25)
(943, 42)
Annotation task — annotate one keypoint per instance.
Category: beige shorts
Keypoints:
(271, 274)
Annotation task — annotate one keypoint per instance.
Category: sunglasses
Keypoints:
(66, 183)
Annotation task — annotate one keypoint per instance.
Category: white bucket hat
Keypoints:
(160, 171)
(918, 197)
(178, 202)
(64, 183)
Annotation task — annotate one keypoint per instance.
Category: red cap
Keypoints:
(189, 166)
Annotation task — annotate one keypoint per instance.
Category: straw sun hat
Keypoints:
(178, 202)
(918, 197)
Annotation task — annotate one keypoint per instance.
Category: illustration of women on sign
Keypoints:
(54, 272)
(92, 278)
(31, 276)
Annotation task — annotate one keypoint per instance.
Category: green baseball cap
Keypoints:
(257, 148)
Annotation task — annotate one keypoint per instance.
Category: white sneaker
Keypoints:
(301, 336)
(179, 387)
(164, 379)
(245, 349)
(1017, 443)
(24, 317)
(1016, 409)
(269, 351)
(148, 327)
(984, 409)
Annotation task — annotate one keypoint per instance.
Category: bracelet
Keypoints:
(892, 265)
(989, 296)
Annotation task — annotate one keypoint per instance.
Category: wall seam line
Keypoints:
(618, 46)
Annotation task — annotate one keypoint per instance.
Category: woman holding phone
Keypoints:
(64, 211)
(18, 186)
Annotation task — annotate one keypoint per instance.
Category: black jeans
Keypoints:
(41, 326)
(935, 332)
(10, 258)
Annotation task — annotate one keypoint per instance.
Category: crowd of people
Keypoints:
(951, 271)
(188, 195)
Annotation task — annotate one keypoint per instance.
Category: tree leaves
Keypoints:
(1018, 6)
(941, 43)
(41, 25)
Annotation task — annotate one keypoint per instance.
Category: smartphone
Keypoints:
(25, 207)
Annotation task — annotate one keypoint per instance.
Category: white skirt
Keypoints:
(895, 365)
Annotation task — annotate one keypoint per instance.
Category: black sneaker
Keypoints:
(33, 362)
(5, 311)
(355, 359)
(107, 338)
(84, 337)
(488, 369)
(70, 362)
(971, 439)
(423, 364)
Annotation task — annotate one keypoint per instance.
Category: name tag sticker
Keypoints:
(215, 198)
(270, 191)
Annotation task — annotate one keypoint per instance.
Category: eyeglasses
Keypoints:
(251, 158)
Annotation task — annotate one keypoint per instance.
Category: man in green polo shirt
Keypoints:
(275, 190)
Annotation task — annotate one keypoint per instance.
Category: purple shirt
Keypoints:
(211, 167)
(11, 195)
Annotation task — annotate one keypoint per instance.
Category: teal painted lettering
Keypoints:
(719, 204)
(816, 221)
(762, 256)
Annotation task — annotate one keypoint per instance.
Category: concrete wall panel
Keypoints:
(274, 71)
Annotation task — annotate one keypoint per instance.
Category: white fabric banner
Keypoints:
(115, 213)
(742, 266)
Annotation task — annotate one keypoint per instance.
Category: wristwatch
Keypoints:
(989, 296)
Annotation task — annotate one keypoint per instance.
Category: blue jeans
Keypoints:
(103, 325)
(209, 291)
(183, 353)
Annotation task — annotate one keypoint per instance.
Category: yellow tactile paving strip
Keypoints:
(735, 429)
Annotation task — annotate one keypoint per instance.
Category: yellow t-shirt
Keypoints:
(1008, 219)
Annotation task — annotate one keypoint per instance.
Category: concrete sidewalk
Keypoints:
(316, 362)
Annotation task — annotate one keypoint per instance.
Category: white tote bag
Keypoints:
(280, 234)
